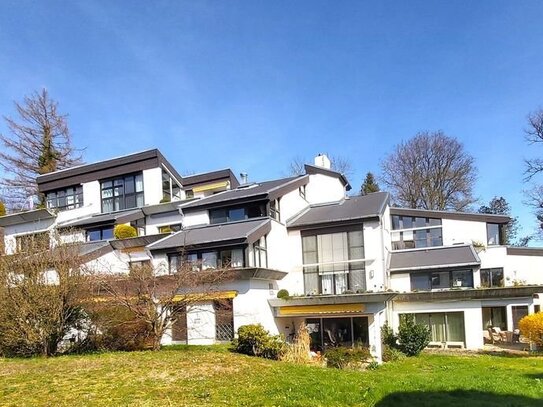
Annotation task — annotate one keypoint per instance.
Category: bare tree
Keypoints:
(41, 291)
(154, 297)
(338, 163)
(39, 142)
(534, 166)
(430, 171)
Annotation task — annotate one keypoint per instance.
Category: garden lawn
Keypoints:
(195, 376)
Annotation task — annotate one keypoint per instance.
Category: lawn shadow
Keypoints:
(536, 376)
(456, 398)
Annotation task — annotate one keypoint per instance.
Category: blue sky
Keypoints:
(252, 84)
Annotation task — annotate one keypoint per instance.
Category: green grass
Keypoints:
(213, 376)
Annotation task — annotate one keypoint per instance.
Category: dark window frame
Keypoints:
(225, 215)
(435, 275)
(116, 183)
(258, 249)
(492, 273)
(58, 198)
(101, 231)
(199, 257)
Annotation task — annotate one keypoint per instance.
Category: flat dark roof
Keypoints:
(125, 216)
(433, 258)
(478, 217)
(350, 209)
(105, 169)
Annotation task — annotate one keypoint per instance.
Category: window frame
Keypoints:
(122, 197)
(433, 275)
(491, 271)
(76, 193)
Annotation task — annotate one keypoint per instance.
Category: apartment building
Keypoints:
(350, 263)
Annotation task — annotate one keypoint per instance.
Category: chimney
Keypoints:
(322, 161)
(244, 177)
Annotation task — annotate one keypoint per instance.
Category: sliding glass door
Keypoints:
(444, 326)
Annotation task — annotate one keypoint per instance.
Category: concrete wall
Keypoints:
(194, 218)
(292, 204)
(374, 251)
(323, 188)
(152, 186)
(463, 231)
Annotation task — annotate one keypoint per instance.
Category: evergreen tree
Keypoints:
(369, 185)
(499, 206)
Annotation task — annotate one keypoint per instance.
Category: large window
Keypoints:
(494, 317)
(275, 209)
(492, 277)
(436, 280)
(122, 193)
(103, 233)
(334, 262)
(236, 213)
(415, 232)
(444, 326)
(171, 190)
(332, 332)
(260, 253)
(208, 259)
(519, 312)
(494, 234)
(63, 199)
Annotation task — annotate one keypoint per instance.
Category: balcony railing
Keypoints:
(336, 279)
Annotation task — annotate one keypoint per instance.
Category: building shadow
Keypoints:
(457, 398)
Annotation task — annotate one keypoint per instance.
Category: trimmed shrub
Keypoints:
(388, 338)
(124, 232)
(391, 354)
(283, 294)
(412, 337)
(254, 340)
(342, 358)
(531, 326)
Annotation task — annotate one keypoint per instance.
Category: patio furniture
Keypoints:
(495, 335)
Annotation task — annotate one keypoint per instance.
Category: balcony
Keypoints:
(334, 278)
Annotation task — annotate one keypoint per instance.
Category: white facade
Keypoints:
(254, 299)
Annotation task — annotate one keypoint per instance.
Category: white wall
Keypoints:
(152, 223)
(323, 188)
(373, 251)
(194, 218)
(292, 253)
(292, 204)
(152, 186)
(400, 282)
(11, 232)
(463, 231)
(201, 324)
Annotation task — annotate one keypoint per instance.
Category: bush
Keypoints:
(341, 358)
(254, 340)
(388, 338)
(412, 337)
(124, 232)
(391, 354)
(531, 326)
(283, 294)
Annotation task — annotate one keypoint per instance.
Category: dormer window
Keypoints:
(122, 193)
(65, 199)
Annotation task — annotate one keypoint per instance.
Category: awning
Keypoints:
(218, 295)
(225, 234)
(215, 185)
(18, 218)
(434, 258)
(302, 310)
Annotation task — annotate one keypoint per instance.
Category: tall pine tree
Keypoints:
(39, 142)
(369, 185)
